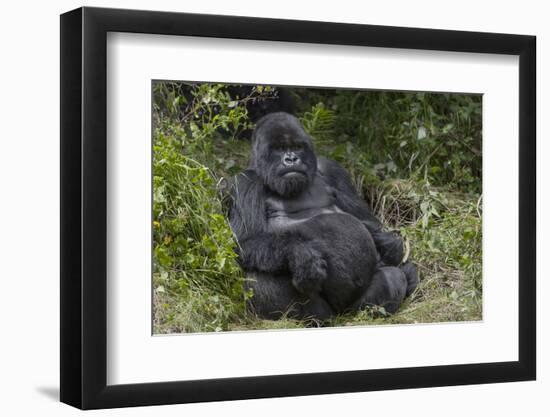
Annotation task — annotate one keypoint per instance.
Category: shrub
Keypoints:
(197, 282)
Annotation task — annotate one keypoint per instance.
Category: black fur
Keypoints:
(310, 246)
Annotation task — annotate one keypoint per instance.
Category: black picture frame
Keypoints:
(84, 207)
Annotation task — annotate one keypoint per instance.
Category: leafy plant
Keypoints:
(193, 244)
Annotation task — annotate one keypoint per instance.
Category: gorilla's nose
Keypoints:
(290, 158)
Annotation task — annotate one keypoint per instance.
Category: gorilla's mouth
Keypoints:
(294, 174)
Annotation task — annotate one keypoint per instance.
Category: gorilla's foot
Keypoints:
(387, 289)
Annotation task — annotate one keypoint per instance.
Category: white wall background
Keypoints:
(29, 173)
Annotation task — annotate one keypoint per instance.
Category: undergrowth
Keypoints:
(415, 158)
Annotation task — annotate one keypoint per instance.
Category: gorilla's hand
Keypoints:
(390, 247)
(308, 268)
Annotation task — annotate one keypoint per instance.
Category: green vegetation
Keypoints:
(414, 157)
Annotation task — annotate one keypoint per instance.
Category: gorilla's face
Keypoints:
(282, 154)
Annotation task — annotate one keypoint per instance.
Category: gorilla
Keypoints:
(309, 245)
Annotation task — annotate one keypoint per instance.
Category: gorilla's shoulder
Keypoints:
(247, 175)
(245, 184)
(246, 203)
(331, 169)
(245, 179)
(335, 174)
(328, 166)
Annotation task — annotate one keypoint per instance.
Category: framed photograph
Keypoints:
(257, 208)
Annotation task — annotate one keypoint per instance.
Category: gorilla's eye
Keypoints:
(282, 147)
(278, 147)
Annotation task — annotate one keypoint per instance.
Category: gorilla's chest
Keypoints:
(318, 199)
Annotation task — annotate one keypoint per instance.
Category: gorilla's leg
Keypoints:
(389, 287)
(274, 296)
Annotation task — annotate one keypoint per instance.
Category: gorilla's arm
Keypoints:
(258, 250)
(261, 250)
(346, 196)
(389, 245)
